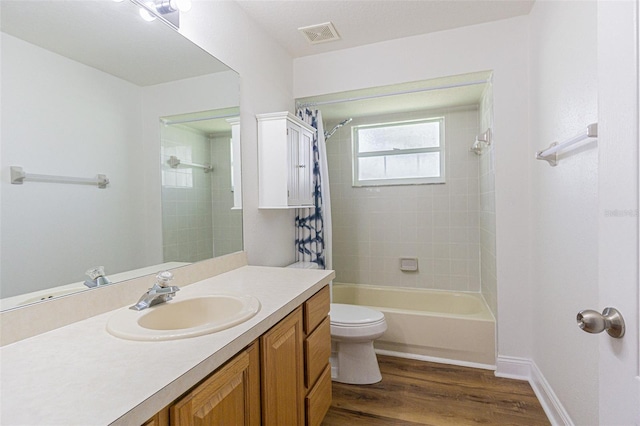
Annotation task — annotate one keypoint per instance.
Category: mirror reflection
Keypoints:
(199, 182)
(90, 88)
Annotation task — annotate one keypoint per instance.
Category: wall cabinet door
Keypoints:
(282, 373)
(300, 185)
(230, 396)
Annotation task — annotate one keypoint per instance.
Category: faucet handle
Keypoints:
(164, 278)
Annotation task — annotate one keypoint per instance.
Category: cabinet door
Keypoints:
(160, 419)
(305, 171)
(318, 400)
(282, 367)
(317, 350)
(228, 397)
(300, 155)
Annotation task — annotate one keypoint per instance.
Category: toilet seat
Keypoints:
(354, 316)
(356, 323)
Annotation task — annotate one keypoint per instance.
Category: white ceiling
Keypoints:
(361, 22)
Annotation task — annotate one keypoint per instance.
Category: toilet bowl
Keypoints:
(353, 330)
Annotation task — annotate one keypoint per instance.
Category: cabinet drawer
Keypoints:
(317, 350)
(316, 309)
(318, 400)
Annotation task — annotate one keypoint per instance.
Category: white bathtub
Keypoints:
(438, 325)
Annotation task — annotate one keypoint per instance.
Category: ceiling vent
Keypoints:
(320, 33)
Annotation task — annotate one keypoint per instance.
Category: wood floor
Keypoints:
(422, 393)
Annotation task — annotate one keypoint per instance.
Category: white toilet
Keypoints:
(353, 330)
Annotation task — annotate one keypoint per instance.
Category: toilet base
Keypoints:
(354, 363)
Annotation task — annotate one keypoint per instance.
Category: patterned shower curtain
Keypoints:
(313, 227)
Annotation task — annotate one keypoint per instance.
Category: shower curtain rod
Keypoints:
(193, 120)
(384, 95)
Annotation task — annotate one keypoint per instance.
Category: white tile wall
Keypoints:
(187, 221)
(487, 213)
(374, 227)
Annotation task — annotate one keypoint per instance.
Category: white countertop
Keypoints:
(82, 375)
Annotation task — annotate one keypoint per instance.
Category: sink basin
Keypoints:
(182, 318)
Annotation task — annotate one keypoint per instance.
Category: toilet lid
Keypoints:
(346, 315)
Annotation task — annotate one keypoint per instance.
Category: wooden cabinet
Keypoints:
(296, 376)
(283, 378)
(230, 396)
(285, 161)
(160, 419)
(282, 372)
(317, 350)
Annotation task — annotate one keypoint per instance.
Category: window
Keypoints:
(402, 153)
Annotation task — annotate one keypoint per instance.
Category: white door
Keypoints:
(618, 210)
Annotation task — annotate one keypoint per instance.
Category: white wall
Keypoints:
(91, 126)
(224, 30)
(502, 47)
(564, 100)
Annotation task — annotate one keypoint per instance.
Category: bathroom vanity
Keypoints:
(263, 383)
(81, 374)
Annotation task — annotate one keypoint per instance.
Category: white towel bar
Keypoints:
(18, 176)
(550, 154)
(174, 162)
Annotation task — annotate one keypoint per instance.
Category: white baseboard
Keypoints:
(526, 369)
(513, 368)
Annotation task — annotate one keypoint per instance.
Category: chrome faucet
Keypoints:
(97, 277)
(160, 292)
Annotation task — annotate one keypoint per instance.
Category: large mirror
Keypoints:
(88, 89)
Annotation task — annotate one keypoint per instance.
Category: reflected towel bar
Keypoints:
(482, 141)
(174, 162)
(550, 154)
(18, 176)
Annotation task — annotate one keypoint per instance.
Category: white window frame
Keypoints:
(398, 181)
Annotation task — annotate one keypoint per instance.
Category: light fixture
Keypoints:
(167, 10)
(146, 14)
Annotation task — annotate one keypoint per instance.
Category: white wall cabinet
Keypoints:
(285, 161)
